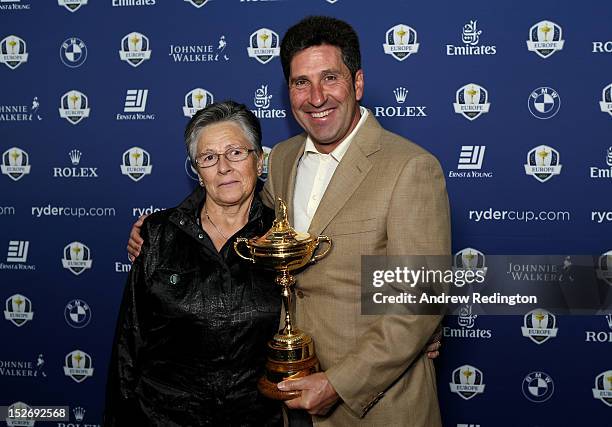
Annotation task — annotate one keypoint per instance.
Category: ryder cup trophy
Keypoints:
(291, 351)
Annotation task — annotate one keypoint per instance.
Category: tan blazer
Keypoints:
(386, 197)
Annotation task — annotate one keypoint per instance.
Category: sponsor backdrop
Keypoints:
(514, 99)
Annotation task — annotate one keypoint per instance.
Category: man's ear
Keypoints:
(359, 85)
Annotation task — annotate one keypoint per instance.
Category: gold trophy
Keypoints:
(290, 352)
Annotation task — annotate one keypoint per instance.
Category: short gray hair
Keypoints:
(226, 111)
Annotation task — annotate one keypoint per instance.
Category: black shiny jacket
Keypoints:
(191, 337)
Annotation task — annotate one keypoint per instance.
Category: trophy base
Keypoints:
(285, 362)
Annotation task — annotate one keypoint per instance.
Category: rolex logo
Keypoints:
(400, 94)
(79, 413)
(75, 156)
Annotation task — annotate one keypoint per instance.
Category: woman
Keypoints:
(190, 340)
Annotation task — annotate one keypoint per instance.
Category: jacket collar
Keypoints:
(349, 174)
(187, 213)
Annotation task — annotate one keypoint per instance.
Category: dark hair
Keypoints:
(317, 31)
(226, 111)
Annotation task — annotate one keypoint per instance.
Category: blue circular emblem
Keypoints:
(544, 103)
(77, 313)
(538, 387)
(190, 171)
(73, 52)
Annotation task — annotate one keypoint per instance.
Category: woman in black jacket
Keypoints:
(195, 318)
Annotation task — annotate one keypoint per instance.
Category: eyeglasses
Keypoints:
(235, 154)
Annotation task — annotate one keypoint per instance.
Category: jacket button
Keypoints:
(182, 222)
(200, 236)
(300, 294)
(174, 279)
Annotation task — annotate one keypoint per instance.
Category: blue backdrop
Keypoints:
(513, 98)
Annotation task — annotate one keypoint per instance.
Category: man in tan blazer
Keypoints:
(382, 195)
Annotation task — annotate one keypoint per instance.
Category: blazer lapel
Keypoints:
(290, 171)
(349, 174)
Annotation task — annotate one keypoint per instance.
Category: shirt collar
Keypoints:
(340, 150)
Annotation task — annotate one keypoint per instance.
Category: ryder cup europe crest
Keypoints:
(77, 258)
(401, 42)
(467, 381)
(72, 5)
(197, 3)
(195, 100)
(78, 365)
(539, 325)
(15, 163)
(18, 310)
(604, 267)
(470, 259)
(135, 49)
(543, 163)
(136, 163)
(471, 101)
(23, 408)
(13, 52)
(606, 100)
(545, 39)
(264, 45)
(603, 387)
(74, 106)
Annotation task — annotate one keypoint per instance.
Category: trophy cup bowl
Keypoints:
(282, 249)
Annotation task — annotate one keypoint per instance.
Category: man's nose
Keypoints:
(317, 97)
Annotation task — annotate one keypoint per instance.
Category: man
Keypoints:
(373, 193)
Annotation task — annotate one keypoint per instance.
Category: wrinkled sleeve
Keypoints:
(121, 407)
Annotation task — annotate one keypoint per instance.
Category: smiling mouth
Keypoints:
(318, 115)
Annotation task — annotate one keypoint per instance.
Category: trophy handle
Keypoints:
(238, 241)
(325, 252)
